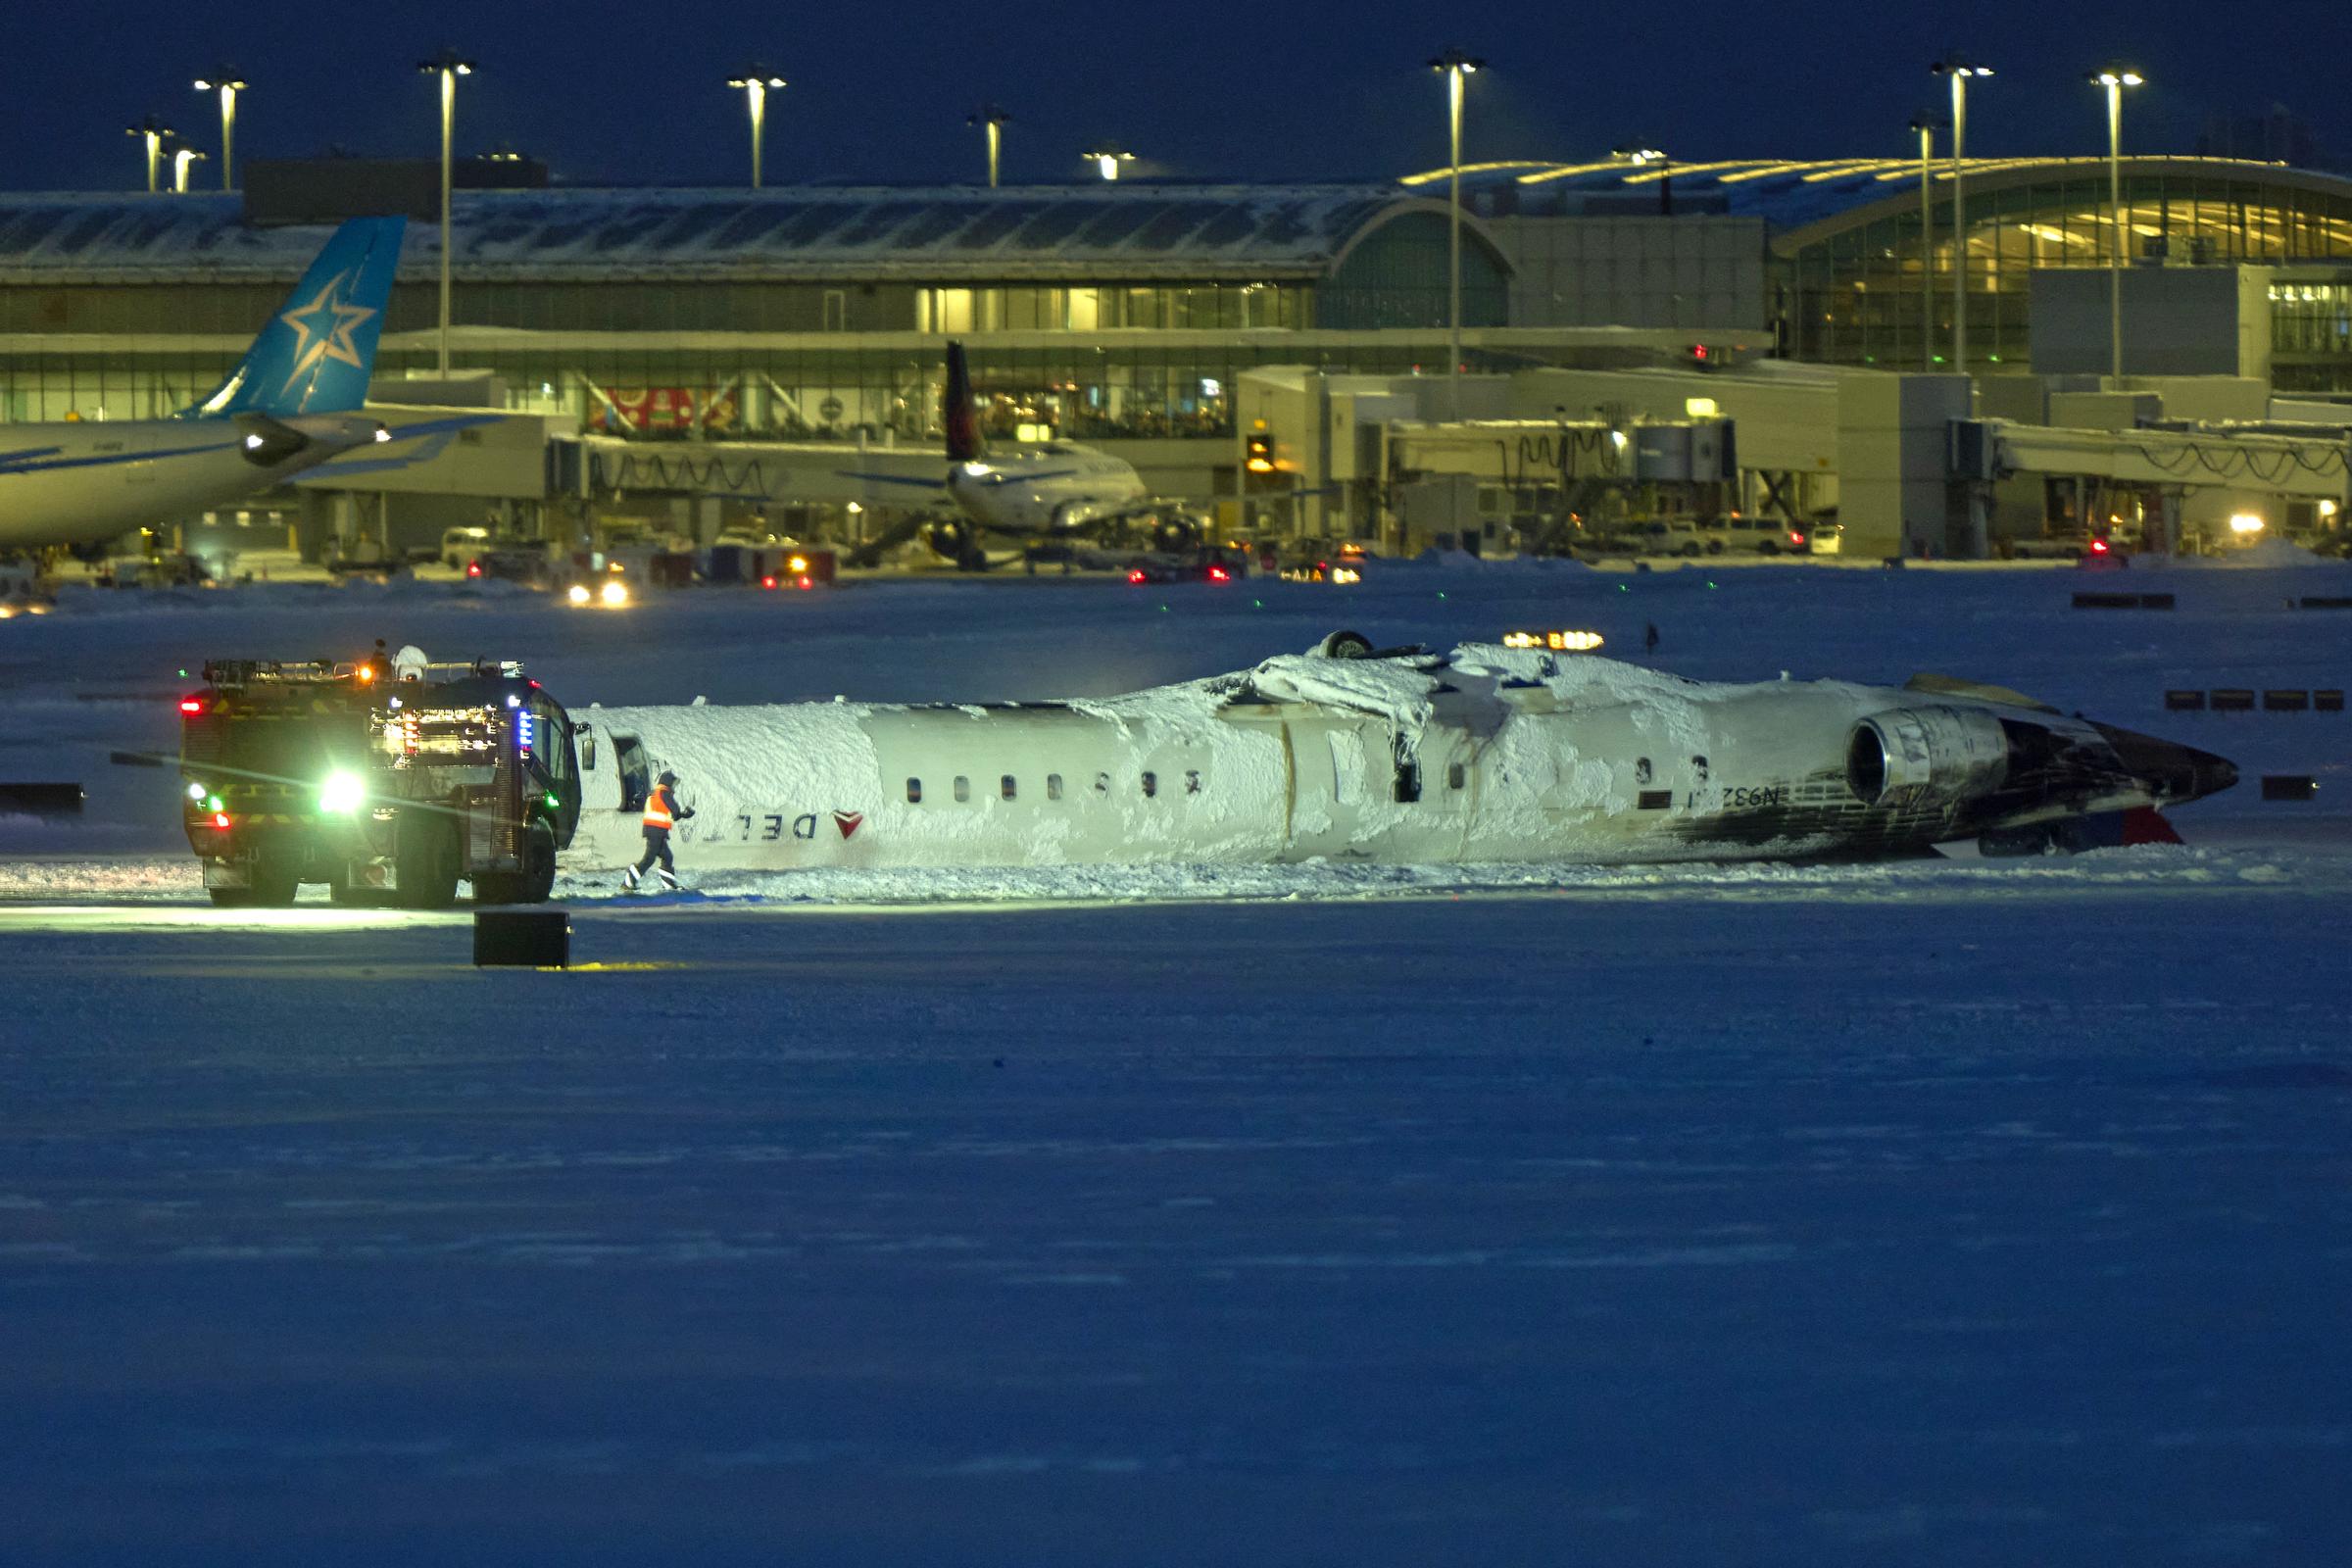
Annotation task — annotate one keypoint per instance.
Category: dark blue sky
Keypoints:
(632, 94)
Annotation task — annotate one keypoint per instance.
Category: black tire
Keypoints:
(1346, 645)
(426, 858)
(1714, 547)
(231, 897)
(273, 882)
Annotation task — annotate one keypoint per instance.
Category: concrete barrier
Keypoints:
(523, 938)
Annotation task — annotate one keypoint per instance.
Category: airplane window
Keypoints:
(1102, 783)
(1004, 786)
(1150, 785)
(1640, 769)
(914, 792)
(963, 788)
(1192, 781)
(1698, 766)
(1053, 786)
(1455, 775)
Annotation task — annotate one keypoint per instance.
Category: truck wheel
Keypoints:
(230, 897)
(538, 878)
(427, 859)
(272, 882)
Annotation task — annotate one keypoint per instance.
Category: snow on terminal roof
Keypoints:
(1199, 231)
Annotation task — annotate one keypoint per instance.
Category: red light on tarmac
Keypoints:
(1136, 574)
(191, 704)
(767, 583)
(806, 583)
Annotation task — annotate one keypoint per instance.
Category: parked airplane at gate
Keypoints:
(1486, 753)
(290, 405)
(1052, 491)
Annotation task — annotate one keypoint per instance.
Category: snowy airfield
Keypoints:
(1919, 1213)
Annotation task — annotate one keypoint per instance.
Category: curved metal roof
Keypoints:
(1791, 194)
(1097, 232)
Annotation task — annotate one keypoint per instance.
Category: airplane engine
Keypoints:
(1175, 535)
(1925, 756)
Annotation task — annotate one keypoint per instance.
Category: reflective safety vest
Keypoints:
(658, 808)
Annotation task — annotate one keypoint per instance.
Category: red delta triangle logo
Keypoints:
(848, 821)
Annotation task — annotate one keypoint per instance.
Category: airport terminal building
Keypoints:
(1129, 314)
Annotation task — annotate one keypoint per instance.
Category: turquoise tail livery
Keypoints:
(318, 352)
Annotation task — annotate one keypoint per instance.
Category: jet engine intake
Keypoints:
(1925, 756)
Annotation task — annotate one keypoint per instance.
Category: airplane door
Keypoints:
(1330, 774)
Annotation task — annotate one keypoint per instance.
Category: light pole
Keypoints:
(1925, 125)
(1455, 64)
(1960, 70)
(449, 66)
(225, 82)
(154, 132)
(1107, 159)
(757, 81)
(181, 158)
(2115, 78)
(992, 119)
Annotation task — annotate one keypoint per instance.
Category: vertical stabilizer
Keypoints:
(318, 352)
(957, 411)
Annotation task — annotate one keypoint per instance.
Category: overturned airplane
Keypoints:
(1403, 755)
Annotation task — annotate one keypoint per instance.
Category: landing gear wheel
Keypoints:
(1346, 645)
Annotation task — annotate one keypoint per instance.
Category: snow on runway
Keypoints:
(1923, 1214)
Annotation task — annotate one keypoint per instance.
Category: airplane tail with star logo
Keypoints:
(318, 351)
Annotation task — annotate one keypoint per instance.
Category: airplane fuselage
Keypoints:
(1042, 489)
(1598, 763)
(83, 483)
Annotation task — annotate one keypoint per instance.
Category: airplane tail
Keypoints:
(956, 413)
(318, 352)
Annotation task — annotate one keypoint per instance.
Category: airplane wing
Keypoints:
(432, 438)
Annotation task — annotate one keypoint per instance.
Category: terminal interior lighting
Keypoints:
(2245, 525)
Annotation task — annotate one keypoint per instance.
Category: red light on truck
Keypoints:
(191, 704)
(1136, 574)
(1219, 574)
(2098, 547)
(767, 583)
(807, 583)
(221, 820)
(473, 568)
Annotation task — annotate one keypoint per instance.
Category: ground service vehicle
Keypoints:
(388, 781)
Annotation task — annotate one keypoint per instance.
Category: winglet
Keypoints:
(956, 413)
(317, 353)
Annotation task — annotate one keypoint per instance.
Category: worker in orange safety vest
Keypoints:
(662, 813)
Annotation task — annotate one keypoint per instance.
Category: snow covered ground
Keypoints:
(1927, 1214)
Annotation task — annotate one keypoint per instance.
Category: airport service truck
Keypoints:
(390, 780)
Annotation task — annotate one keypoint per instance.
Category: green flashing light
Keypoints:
(1441, 596)
(1993, 358)
(552, 802)
(211, 802)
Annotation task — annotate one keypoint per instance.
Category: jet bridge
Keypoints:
(2187, 478)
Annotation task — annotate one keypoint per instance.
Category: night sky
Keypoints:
(632, 94)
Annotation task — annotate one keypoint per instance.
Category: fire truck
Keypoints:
(390, 781)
